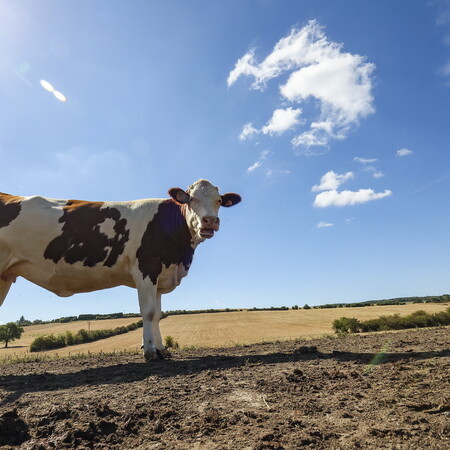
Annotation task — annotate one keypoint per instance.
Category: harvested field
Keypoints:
(216, 329)
(375, 391)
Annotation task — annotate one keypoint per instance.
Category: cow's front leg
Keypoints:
(160, 347)
(148, 304)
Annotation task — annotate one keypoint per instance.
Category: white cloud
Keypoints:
(325, 225)
(339, 82)
(365, 160)
(375, 173)
(346, 198)
(271, 172)
(254, 166)
(282, 120)
(404, 152)
(446, 69)
(244, 66)
(332, 180)
(262, 156)
(247, 131)
(443, 11)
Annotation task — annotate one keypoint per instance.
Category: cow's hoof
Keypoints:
(164, 354)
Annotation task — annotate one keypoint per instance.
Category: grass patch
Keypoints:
(36, 358)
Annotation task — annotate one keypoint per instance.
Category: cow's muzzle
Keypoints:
(210, 224)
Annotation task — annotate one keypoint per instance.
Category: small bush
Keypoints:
(120, 330)
(70, 338)
(132, 326)
(49, 342)
(170, 342)
(346, 325)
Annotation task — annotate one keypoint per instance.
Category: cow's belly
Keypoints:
(170, 278)
(66, 279)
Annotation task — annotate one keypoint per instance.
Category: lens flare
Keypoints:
(379, 357)
(59, 96)
(49, 87)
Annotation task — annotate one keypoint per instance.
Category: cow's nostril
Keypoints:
(210, 220)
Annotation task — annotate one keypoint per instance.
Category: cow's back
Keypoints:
(70, 246)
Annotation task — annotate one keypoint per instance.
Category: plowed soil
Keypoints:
(388, 390)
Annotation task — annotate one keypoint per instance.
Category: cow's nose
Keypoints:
(210, 221)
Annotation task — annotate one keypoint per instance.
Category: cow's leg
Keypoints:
(160, 347)
(148, 305)
(4, 288)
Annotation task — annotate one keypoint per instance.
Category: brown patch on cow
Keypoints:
(166, 241)
(81, 239)
(10, 206)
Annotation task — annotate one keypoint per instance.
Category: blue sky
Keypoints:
(331, 119)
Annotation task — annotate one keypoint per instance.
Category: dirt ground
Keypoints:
(376, 391)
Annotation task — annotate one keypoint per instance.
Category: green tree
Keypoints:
(10, 332)
(307, 307)
(22, 322)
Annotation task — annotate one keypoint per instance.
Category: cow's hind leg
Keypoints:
(5, 284)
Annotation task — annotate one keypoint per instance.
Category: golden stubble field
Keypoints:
(215, 329)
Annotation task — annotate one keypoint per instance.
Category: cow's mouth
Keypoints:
(207, 233)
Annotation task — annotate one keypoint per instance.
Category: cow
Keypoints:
(74, 246)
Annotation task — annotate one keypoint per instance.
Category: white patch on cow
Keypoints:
(107, 227)
(171, 277)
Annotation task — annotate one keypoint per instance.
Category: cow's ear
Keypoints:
(179, 195)
(230, 199)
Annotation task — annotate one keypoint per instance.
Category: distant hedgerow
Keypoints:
(51, 342)
(418, 319)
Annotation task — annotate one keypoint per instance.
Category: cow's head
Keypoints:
(201, 203)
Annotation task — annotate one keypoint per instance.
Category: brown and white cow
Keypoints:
(73, 246)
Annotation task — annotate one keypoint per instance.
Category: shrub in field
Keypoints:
(346, 325)
(120, 330)
(82, 336)
(418, 319)
(48, 342)
(134, 325)
(170, 342)
(70, 338)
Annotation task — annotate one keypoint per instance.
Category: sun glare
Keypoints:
(59, 96)
(49, 87)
